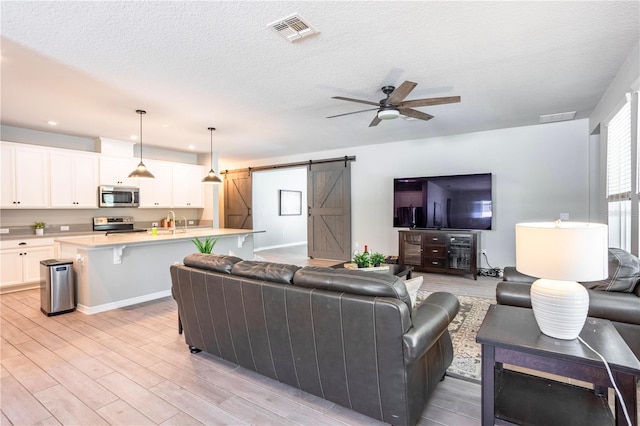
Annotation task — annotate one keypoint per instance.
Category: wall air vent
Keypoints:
(552, 118)
(293, 27)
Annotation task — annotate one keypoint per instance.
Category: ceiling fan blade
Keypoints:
(430, 101)
(415, 114)
(354, 112)
(342, 98)
(401, 92)
(375, 121)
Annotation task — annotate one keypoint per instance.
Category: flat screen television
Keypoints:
(456, 202)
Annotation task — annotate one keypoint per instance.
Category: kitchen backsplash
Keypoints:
(19, 222)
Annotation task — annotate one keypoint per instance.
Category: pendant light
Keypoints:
(211, 177)
(141, 171)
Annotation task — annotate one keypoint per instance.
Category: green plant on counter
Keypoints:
(205, 246)
(38, 225)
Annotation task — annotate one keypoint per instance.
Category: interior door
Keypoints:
(329, 201)
(237, 200)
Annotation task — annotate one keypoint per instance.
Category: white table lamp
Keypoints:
(561, 253)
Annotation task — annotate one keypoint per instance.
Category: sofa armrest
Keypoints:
(430, 319)
(510, 273)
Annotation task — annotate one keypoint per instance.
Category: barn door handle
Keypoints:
(249, 211)
(309, 211)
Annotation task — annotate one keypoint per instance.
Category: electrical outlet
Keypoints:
(154, 224)
(64, 228)
(191, 222)
(484, 251)
(4, 231)
(564, 216)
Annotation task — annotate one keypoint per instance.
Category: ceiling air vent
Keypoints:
(293, 27)
(552, 118)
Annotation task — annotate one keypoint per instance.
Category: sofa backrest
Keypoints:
(364, 283)
(211, 262)
(265, 271)
(624, 274)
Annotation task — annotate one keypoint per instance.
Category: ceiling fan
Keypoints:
(394, 104)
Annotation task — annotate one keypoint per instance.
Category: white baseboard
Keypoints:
(120, 303)
(300, 243)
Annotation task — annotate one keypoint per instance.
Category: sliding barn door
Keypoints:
(329, 200)
(237, 200)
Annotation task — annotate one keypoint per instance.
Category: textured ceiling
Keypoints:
(192, 65)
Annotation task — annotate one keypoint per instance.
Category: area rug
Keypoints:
(463, 329)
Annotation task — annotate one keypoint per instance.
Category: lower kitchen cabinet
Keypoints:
(20, 261)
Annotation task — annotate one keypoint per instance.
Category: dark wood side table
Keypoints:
(511, 335)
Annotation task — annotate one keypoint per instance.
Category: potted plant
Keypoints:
(363, 260)
(39, 227)
(377, 259)
(205, 246)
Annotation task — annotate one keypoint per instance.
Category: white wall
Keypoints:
(538, 171)
(281, 231)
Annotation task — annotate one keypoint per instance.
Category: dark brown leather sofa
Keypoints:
(616, 298)
(347, 336)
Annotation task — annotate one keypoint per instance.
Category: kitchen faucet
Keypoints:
(185, 224)
(171, 213)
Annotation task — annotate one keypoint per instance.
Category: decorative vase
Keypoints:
(39, 231)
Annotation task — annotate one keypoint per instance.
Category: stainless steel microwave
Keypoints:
(118, 196)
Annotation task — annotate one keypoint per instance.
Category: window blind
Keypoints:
(619, 155)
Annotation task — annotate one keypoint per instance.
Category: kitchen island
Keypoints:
(119, 270)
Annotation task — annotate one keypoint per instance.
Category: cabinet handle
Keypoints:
(434, 251)
(435, 238)
(434, 263)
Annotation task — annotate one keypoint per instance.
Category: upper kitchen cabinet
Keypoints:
(187, 185)
(25, 177)
(156, 192)
(74, 180)
(115, 171)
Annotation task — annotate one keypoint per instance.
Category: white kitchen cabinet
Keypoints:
(25, 177)
(187, 185)
(115, 171)
(156, 192)
(74, 180)
(20, 260)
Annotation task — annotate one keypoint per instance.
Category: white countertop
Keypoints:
(141, 238)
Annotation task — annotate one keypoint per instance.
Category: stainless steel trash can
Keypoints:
(57, 288)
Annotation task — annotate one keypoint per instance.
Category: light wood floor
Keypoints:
(130, 366)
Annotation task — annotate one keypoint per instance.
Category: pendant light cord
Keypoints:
(141, 112)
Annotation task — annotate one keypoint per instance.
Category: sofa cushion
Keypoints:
(353, 281)
(265, 271)
(211, 262)
(413, 285)
(624, 272)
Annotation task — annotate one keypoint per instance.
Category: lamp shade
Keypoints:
(565, 251)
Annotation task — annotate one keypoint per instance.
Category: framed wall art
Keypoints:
(290, 203)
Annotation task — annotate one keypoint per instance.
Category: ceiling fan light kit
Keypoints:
(394, 104)
(388, 113)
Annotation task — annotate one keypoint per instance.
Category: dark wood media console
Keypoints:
(442, 251)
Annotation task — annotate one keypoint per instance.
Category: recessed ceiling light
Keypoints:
(52, 123)
(165, 125)
(134, 137)
(191, 147)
